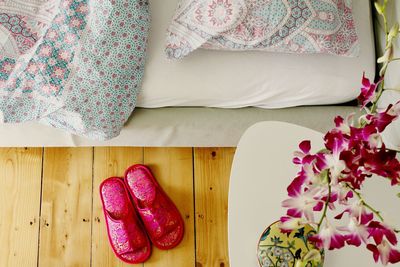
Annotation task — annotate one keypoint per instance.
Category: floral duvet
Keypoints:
(73, 64)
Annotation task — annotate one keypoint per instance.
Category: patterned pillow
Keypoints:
(290, 26)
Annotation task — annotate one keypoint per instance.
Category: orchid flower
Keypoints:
(357, 232)
(328, 237)
(303, 156)
(358, 212)
(342, 193)
(335, 175)
(342, 125)
(303, 204)
(368, 91)
(378, 231)
(385, 252)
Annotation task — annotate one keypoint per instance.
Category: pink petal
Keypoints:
(377, 230)
(374, 250)
(338, 121)
(319, 206)
(365, 81)
(394, 256)
(297, 161)
(305, 146)
(353, 239)
(316, 240)
(391, 237)
(294, 189)
(294, 213)
(340, 215)
(382, 119)
(329, 238)
(337, 242)
(366, 217)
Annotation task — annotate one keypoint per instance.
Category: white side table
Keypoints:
(261, 171)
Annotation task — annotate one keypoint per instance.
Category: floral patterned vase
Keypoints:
(292, 249)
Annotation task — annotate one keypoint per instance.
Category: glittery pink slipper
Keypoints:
(126, 233)
(161, 218)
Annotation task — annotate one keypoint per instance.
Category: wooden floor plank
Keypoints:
(65, 234)
(20, 187)
(212, 170)
(74, 234)
(108, 162)
(173, 169)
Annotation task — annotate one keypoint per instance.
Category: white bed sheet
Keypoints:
(261, 79)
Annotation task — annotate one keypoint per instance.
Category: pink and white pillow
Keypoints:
(289, 26)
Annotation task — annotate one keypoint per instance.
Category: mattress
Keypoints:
(261, 79)
(176, 127)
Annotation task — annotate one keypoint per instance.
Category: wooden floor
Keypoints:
(50, 212)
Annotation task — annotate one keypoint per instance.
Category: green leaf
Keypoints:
(398, 195)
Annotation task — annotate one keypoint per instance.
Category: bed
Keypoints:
(211, 97)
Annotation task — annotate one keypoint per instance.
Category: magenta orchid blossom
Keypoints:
(333, 177)
(368, 90)
(385, 252)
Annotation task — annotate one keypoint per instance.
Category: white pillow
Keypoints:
(252, 78)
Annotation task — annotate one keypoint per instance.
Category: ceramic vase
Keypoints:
(288, 249)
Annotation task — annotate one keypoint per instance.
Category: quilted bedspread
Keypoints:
(72, 64)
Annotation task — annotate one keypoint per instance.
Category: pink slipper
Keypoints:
(162, 220)
(126, 233)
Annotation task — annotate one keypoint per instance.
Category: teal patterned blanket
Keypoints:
(72, 64)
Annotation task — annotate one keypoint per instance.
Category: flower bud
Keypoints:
(394, 31)
(380, 9)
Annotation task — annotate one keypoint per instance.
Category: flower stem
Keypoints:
(328, 199)
(382, 84)
(385, 25)
(359, 196)
(378, 96)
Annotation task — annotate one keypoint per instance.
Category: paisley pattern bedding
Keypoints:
(290, 26)
(72, 64)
